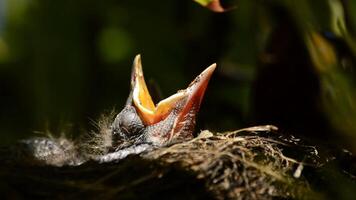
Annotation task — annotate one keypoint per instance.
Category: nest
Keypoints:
(251, 163)
(243, 164)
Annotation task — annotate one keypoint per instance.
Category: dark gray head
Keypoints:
(127, 128)
(127, 124)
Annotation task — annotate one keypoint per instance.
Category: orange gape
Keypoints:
(151, 114)
(170, 120)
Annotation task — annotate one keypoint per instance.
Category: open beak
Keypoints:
(185, 103)
(194, 96)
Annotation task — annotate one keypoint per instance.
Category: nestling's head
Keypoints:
(169, 121)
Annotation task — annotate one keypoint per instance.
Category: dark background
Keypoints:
(287, 63)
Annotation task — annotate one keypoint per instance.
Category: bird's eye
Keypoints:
(128, 123)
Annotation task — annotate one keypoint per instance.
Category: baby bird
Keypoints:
(140, 126)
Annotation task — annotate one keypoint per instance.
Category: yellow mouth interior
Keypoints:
(142, 99)
(151, 113)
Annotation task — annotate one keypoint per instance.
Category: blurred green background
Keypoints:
(289, 63)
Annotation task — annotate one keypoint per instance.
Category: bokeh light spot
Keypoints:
(114, 44)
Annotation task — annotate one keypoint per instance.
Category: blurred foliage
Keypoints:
(289, 63)
(333, 58)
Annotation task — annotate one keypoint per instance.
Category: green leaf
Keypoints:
(213, 5)
(203, 2)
